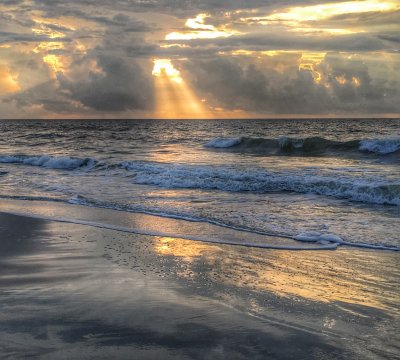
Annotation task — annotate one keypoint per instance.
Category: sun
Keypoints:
(164, 67)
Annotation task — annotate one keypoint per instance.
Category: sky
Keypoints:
(199, 59)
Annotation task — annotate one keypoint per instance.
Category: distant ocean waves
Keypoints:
(51, 162)
(341, 183)
(312, 145)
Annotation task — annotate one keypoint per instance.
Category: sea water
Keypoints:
(327, 182)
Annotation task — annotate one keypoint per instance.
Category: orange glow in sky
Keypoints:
(164, 67)
(201, 61)
(8, 83)
(174, 98)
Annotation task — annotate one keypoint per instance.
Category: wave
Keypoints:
(227, 178)
(51, 162)
(224, 142)
(381, 146)
(262, 181)
(311, 145)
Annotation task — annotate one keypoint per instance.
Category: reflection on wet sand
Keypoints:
(89, 298)
(180, 248)
(349, 276)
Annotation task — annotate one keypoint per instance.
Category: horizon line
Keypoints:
(374, 117)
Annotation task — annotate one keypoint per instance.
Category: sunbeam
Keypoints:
(174, 98)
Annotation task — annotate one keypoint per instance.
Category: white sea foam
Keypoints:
(326, 239)
(52, 162)
(314, 236)
(284, 142)
(221, 142)
(375, 191)
(381, 146)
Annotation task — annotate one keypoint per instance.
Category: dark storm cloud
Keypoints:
(179, 8)
(377, 91)
(264, 89)
(168, 5)
(9, 37)
(393, 37)
(120, 86)
(123, 21)
(250, 88)
(127, 23)
(46, 94)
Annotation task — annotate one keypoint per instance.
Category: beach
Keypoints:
(200, 180)
(74, 290)
(198, 239)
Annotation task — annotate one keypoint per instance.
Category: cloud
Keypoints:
(95, 57)
(346, 85)
(8, 83)
(283, 40)
(97, 81)
(120, 85)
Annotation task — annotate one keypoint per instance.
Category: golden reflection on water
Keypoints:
(343, 276)
(188, 250)
(346, 276)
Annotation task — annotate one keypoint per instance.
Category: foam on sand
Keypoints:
(310, 240)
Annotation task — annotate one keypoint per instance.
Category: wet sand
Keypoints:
(78, 291)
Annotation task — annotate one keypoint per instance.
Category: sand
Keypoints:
(78, 291)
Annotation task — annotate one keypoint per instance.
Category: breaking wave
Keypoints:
(311, 145)
(224, 142)
(51, 162)
(232, 179)
(374, 190)
(381, 146)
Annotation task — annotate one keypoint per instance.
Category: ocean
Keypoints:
(314, 184)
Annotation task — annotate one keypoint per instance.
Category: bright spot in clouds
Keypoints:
(8, 83)
(164, 67)
(202, 30)
(323, 11)
(198, 23)
(45, 30)
(55, 62)
(48, 46)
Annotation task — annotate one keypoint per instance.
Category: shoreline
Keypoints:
(252, 300)
(235, 236)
